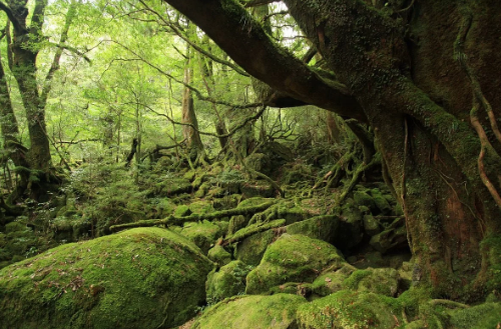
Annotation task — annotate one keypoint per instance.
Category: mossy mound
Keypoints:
(226, 282)
(331, 281)
(219, 255)
(350, 310)
(252, 312)
(140, 278)
(292, 258)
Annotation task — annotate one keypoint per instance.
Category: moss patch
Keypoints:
(139, 278)
(228, 281)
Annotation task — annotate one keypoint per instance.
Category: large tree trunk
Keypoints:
(416, 91)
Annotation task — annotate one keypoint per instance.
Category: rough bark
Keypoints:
(415, 97)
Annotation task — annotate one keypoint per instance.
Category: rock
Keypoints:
(259, 162)
(201, 207)
(392, 238)
(226, 282)
(292, 258)
(382, 281)
(204, 234)
(251, 250)
(371, 225)
(252, 312)
(362, 198)
(349, 309)
(140, 278)
(219, 255)
(381, 202)
(182, 211)
(331, 281)
(237, 223)
(320, 227)
(349, 233)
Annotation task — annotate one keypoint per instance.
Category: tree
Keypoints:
(424, 76)
(24, 45)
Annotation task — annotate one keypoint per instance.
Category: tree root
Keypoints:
(176, 220)
(251, 230)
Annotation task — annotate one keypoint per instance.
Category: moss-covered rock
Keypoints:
(331, 281)
(350, 231)
(70, 229)
(319, 227)
(292, 258)
(204, 234)
(201, 207)
(362, 198)
(350, 310)
(381, 202)
(371, 225)
(251, 250)
(141, 278)
(226, 282)
(394, 237)
(252, 312)
(382, 281)
(219, 255)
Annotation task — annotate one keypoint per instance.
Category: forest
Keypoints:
(238, 164)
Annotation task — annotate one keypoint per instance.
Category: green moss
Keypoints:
(135, 279)
(331, 281)
(350, 310)
(292, 258)
(252, 312)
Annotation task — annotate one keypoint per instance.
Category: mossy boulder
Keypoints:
(331, 281)
(382, 281)
(219, 255)
(381, 201)
(348, 309)
(140, 278)
(201, 207)
(319, 227)
(252, 312)
(394, 237)
(226, 282)
(350, 231)
(204, 234)
(251, 250)
(292, 258)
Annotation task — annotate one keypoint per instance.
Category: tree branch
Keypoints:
(245, 41)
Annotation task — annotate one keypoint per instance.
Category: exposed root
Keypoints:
(175, 220)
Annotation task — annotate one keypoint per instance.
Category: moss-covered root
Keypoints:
(292, 258)
(140, 278)
(252, 312)
(179, 220)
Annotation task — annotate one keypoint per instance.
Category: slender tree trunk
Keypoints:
(190, 129)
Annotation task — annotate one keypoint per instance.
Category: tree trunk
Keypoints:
(190, 129)
(417, 99)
